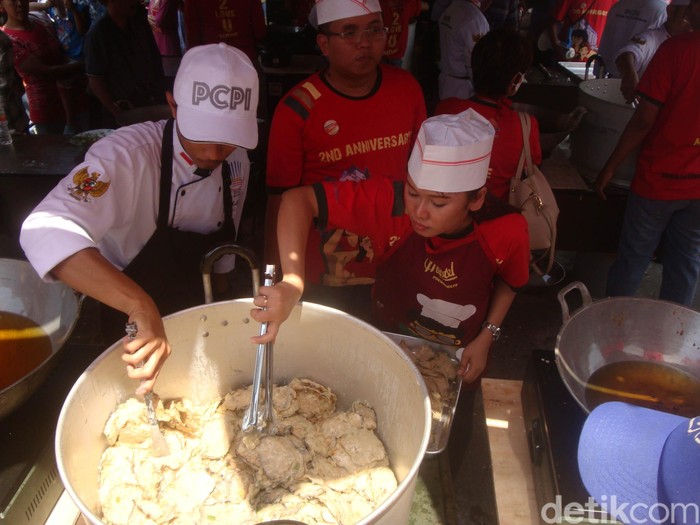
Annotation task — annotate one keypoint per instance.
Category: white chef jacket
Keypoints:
(110, 201)
(643, 47)
(625, 19)
(462, 24)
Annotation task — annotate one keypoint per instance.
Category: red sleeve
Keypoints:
(451, 106)
(258, 20)
(561, 9)
(506, 239)
(656, 81)
(362, 207)
(20, 51)
(535, 146)
(285, 155)
(417, 8)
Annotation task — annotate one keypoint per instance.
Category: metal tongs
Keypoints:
(254, 417)
(159, 445)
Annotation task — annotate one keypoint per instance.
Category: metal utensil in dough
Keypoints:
(158, 443)
(254, 418)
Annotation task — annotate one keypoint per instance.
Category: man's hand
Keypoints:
(150, 347)
(604, 178)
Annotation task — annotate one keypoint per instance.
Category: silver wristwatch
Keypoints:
(495, 330)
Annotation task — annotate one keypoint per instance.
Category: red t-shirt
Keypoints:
(437, 288)
(668, 167)
(508, 142)
(42, 93)
(397, 14)
(238, 23)
(595, 12)
(318, 134)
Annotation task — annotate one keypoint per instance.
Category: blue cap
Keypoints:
(641, 465)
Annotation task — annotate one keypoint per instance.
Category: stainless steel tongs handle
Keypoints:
(253, 417)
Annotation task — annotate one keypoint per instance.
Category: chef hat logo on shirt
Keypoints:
(216, 91)
(325, 11)
(446, 313)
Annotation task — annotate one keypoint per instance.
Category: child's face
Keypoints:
(16, 10)
(434, 213)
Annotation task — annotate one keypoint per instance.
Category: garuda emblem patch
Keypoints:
(85, 186)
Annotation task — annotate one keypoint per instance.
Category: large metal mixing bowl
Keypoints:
(623, 329)
(594, 140)
(212, 354)
(53, 306)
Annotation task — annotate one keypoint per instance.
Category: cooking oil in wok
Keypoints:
(24, 345)
(652, 385)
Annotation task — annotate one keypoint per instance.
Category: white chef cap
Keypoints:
(216, 90)
(325, 11)
(452, 153)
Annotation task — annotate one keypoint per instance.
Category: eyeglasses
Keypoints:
(354, 36)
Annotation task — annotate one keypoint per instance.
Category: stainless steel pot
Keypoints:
(212, 354)
(623, 329)
(592, 143)
(53, 306)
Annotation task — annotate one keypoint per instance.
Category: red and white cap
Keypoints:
(325, 11)
(452, 153)
(216, 91)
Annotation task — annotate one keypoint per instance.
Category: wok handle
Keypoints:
(585, 298)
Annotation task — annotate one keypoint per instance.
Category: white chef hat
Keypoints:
(325, 11)
(452, 153)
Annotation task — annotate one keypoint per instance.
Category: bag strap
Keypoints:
(525, 161)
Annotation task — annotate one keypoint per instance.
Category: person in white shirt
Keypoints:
(129, 225)
(633, 59)
(461, 26)
(625, 19)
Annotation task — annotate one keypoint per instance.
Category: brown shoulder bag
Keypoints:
(532, 195)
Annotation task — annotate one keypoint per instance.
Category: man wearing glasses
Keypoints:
(355, 119)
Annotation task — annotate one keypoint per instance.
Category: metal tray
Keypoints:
(442, 422)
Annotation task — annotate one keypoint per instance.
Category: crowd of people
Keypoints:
(377, 204)
(358, 127)
(81, 64)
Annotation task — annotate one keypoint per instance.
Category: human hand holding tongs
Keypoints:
(255, 417)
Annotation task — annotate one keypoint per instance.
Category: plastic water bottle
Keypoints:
(5, 137)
